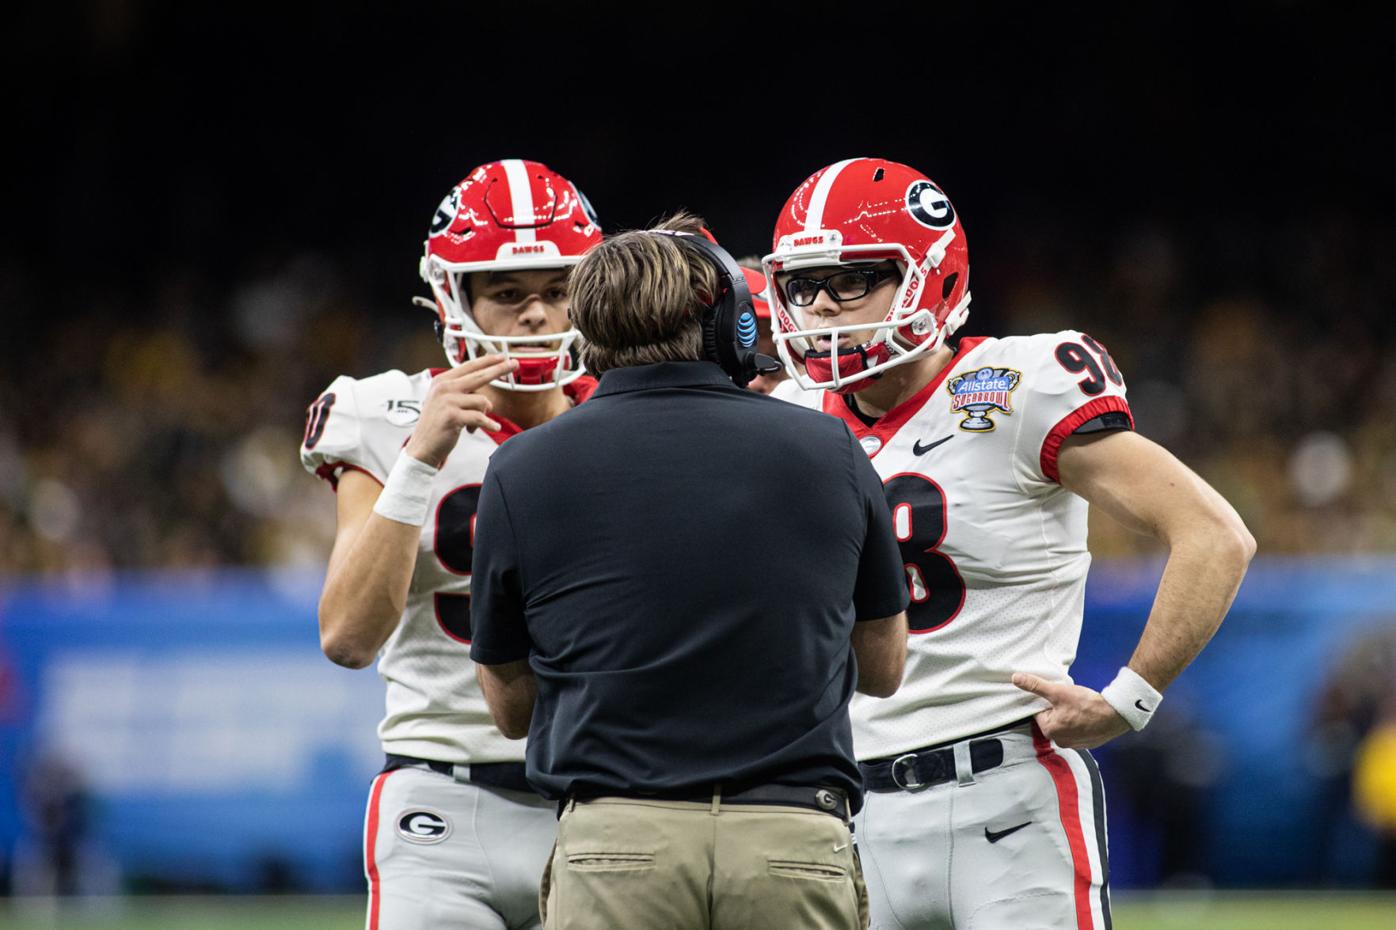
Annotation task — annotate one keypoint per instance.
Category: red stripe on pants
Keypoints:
(1068, 803)
(370, 841)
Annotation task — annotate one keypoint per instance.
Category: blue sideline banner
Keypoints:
(221, 751)
(219, 747)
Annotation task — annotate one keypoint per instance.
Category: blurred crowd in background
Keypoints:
(159, 427)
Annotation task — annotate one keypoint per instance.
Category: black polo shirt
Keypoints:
(682, 562)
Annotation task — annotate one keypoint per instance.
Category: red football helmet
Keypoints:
(509, 215)
(869, 210)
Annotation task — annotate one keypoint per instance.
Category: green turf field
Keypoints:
(1287, 911)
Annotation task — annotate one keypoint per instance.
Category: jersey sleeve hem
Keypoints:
(330, 471)
(1052, 443)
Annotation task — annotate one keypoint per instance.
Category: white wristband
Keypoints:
(1132, 697)
(408, 491)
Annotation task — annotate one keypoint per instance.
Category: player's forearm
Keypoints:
(1200, 580)
(366, 591)
(1147, 489)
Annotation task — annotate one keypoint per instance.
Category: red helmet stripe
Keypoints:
(814, 217)
(520, 198)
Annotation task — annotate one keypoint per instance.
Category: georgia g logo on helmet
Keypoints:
(445, 213)
(929, 206)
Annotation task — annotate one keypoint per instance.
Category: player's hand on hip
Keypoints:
(453, 404)
(1079, 718)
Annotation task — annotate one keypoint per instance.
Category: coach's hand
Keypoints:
(1079, 718)
(452, 405)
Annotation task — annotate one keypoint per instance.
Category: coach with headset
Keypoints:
(674, 597)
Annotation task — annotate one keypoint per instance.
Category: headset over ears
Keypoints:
(729, 325)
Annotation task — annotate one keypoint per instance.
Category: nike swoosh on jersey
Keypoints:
(993, 836)
(919, 449)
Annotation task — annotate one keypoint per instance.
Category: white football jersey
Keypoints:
(435, 709)
(995, 547)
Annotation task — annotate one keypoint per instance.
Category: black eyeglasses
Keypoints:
(844, 285)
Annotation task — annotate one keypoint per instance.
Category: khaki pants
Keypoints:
(630, 864)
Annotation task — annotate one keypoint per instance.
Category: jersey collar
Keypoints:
(893, 420)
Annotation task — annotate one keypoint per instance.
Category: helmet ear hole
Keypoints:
(949, 285)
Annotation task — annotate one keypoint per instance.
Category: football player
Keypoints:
(985, 809)
(453, 834)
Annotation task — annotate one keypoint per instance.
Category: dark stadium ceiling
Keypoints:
(177, 129)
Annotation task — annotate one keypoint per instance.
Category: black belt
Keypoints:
(507, 775)
(926, 767)
(933, 765)
(825, 800)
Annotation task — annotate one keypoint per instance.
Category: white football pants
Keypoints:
(446, 855)
(1018, 847)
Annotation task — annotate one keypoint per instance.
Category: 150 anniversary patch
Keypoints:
(979, 393)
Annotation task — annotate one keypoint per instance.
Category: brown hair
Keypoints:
(638, 298)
